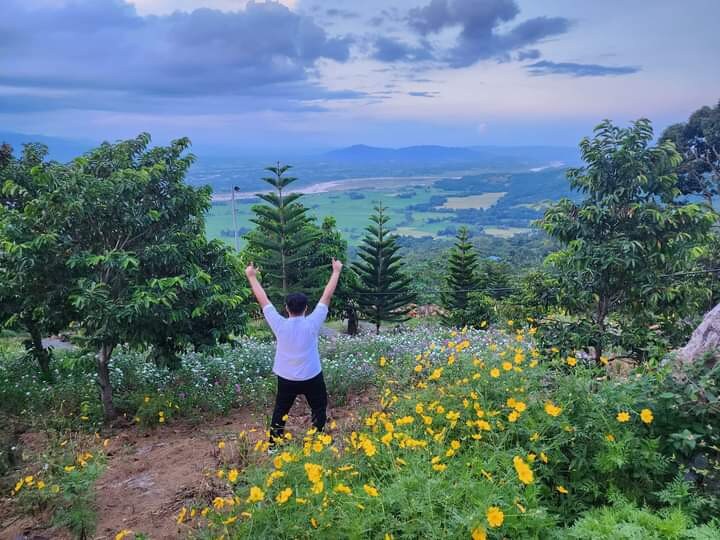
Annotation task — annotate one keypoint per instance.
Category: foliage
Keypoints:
(64, 487)
(383, 293)
(628, 243)
(698, 140)
(461, 281)
(135, 233)
(489, 438)
(34, 280)
(282, 240)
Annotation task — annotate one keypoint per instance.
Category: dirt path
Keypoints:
(150, 475)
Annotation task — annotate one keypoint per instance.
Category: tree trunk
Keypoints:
(40, 353)
(352, 326)
(103, 373)
(601, 315)
(377, 328)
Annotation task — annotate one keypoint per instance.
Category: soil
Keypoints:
(150, 475)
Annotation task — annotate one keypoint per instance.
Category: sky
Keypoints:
(306, 75)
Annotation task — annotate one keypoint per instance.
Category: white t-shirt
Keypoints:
(297, 357)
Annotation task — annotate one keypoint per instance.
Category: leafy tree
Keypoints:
(461, 280)
(625, 241)
(495, 278)
(698, 140)
(137, 239)
(34, 280)
(282, 239)
(384, 292)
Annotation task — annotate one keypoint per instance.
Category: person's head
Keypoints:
(296, 304)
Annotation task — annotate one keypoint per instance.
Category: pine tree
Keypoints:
(384, 291)
(462, 279)
(282, 237)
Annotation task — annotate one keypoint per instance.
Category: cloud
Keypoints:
(480, 36)
(341, 13)
(529, 54)
(105, 48)
(545, 67)
(423, 94)
(387, 49)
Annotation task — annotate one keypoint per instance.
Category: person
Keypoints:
(297, 358)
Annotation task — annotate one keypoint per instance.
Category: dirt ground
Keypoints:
(150, 475)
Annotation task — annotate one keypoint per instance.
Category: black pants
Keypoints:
(314, 391)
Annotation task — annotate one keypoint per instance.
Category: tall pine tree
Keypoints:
(383, 291)
(462, 279)
(282, 238)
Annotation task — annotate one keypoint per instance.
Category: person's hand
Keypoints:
(251, 271)
(336, 265)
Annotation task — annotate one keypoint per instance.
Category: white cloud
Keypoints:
(164, 7)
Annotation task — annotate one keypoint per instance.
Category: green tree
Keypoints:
(384, 290)
(282, 240)
(623, 243)
(698, 140)
(34, 280)
(137, 240)
(461, 280)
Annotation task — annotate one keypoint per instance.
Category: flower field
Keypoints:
(477, 435)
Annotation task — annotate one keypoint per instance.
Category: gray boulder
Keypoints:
(705, 338)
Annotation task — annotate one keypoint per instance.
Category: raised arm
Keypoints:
(332, 282)
(258, 291)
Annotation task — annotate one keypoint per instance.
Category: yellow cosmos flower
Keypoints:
(479, 534)
(69, 468)
(342, 488)
(523, 470)
(494, 373)
(314, 472)
(284, 495)
(314, 523)
(646, 416)
(122, 534)
(495, 517)
(571, 361)
(383, 361)
(610, 437)
(623, 417)
(562, 490)
(181, 515)
(507, 366)
(513, 416)
(439, 467)
(552, 409)
(256, 495)
(221, 445)
(370, 490)
(436, 374)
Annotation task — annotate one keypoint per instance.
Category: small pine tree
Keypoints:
(282, 237)
(462, 279)
(384, 291)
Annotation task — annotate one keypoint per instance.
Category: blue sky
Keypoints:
(308, 74)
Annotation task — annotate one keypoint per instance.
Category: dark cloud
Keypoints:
(545, 67)
(264, 50)
(530, 54)
(387, 49)
(341, 13)
(480, 37)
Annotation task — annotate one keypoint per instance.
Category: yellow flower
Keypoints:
(284, 495)
(314, 523)
(383, 361)
(147, 399)
(181, 515)
(494, 373)
(314, 472)
(552, 409)
(370, 490)
(535, 437)
(571, 361)
(229, 520)
(507, 366)
(439, 467)
(233, 475)
(342, 488)
(623, 416)
(562, 490)
(219, 503)
(435, 375)
(513, 416)
(69, 468)
(610, 437)
(646, 416)
(543, 457)
(41, 484)
(256, 495)
(479, 534)
(520, 406)
(523, 470)
(221, 445)
(318, 487)
(122, 534)
(495, 516)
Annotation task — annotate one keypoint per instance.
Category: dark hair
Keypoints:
(296, 303)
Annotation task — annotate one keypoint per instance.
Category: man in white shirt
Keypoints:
(297, 359)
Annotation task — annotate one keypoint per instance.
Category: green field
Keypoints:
(351, 209)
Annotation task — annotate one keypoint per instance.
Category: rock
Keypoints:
(705, 338)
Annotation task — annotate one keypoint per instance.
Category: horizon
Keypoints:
(301, 76)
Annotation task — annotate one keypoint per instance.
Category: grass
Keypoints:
(486, 200)
(506, 232)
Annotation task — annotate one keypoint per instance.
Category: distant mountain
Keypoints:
(477, 155)
(60, 149)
